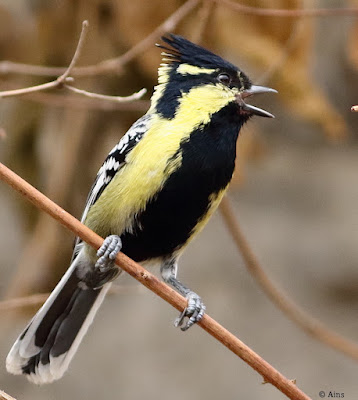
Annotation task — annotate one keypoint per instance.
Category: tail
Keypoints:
(46, 347)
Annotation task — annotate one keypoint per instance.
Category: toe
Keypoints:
(108, 251)
(194, 311)
(179, 321)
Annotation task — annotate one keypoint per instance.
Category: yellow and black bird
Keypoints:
(155, 191)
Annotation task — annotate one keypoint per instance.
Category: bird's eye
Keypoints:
(224, 79)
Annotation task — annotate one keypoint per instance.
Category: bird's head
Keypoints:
(205, 82)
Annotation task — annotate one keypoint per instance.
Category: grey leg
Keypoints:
(105, 269)
(195, 309)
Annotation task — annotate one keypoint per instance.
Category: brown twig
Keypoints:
(115, 99)
(5, 396)
(64, 78)
(110, 65)
(61, 80)
(279, 12)
(268, 373)
(116, 64)
(294, 312)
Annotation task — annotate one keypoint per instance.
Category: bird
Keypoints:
(154, 193)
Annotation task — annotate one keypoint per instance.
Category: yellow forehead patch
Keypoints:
(187, 69)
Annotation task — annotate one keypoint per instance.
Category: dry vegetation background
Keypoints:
(295, 194)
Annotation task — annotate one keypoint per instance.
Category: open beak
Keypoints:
(254, 89)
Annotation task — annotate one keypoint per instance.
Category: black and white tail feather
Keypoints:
(47, 345)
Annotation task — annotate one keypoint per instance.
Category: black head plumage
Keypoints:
(181, 51)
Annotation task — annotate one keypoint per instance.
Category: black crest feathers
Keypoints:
(181, 51)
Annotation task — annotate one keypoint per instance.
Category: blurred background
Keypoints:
(294, 193)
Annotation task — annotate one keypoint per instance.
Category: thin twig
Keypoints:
(61, 79)
(116, 64)
(279, 12)
(110, 65)
(294, 312)
(30, 89)
(115, 99)
(268, 373)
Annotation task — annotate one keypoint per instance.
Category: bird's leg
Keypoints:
(105, 269)
(195, 309)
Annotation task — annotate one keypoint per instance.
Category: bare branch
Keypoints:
(116, 99)
(110, 65)
(278, 12)
(60, 80)
(268, 373)
(30, 89)
(116, 64)
(295, 313)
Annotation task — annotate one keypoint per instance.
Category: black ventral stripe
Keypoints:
(208, 161)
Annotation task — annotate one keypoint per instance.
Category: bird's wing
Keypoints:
(112, 164)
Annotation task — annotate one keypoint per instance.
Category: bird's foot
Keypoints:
(111, 246)
(105, 269)
(195, 311)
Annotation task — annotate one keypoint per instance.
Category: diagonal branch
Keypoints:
(115, 64)
(295, 313)
(269, 373)
(112, 64)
